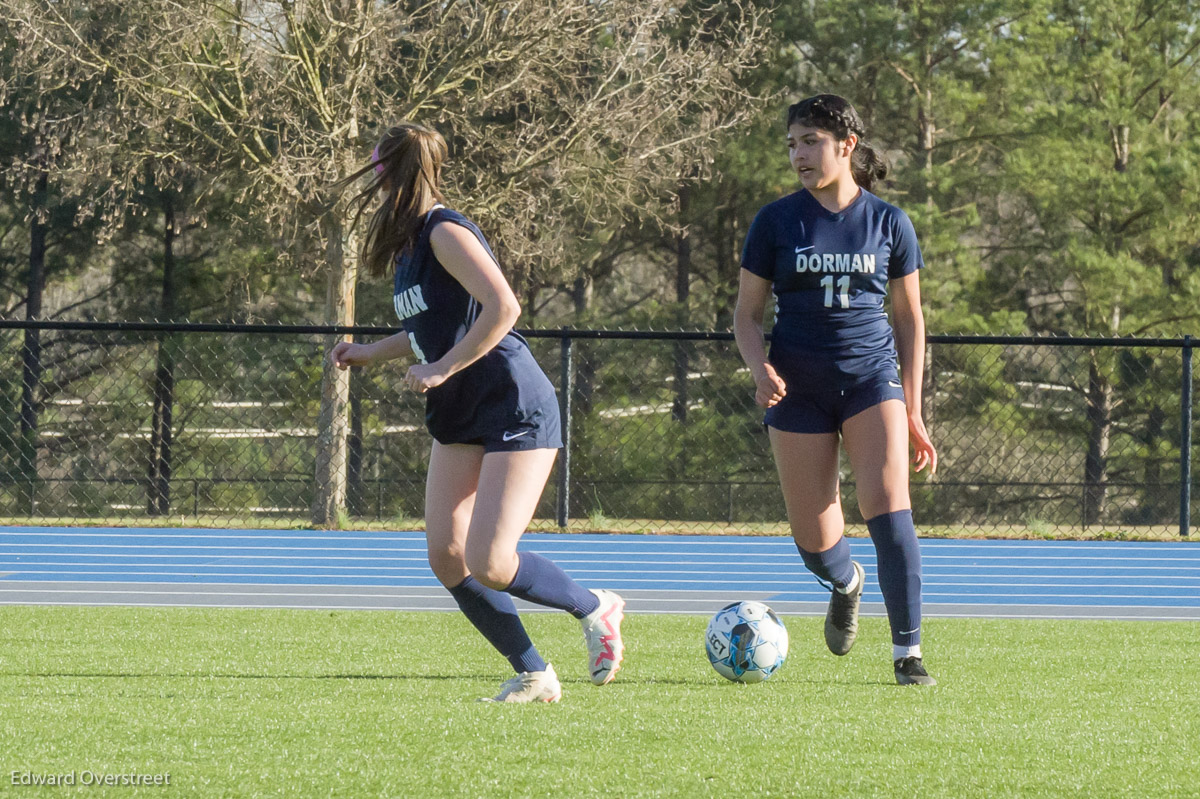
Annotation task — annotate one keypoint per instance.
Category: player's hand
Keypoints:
(769, 389)
(923, 452)
(421, 377)
(346, 354)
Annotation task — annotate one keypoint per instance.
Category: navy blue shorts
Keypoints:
(503, 402)
(825, 412)
(538, 429)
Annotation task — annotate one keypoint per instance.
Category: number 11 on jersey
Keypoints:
(843, 287)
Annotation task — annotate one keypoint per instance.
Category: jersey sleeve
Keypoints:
(758, 252)
(906, 252)
(441, 214)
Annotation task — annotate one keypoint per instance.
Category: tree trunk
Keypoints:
(583, 389)
(1157, 502)
(683, 275)
(158, 482)
(1119, 136)
(356, 503)
(332, 451)
(725, 245)
(585, 365)
(1099, 418)
(677, 468)
(31, 351)
(926, 127)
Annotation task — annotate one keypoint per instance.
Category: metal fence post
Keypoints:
(566, 394)
(1185, 442)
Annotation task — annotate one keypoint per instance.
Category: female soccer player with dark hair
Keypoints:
(829, 253)
(491, 410)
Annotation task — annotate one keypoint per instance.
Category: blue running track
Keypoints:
(664, 574)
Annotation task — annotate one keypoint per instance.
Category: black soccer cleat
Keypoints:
(911, 671)
(841, 619)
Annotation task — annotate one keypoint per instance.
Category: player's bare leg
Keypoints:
(808, 474)
(510, 487)
(449, 502)
(876, 441)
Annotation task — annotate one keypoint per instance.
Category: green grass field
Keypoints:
(244, 703)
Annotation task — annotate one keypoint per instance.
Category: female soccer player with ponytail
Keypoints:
(829, 253)
(491, 410)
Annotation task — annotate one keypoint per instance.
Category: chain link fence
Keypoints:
(217, 425)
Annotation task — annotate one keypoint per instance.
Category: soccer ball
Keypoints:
(746, 642)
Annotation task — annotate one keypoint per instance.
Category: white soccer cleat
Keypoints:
(530, 686)
(602, 631)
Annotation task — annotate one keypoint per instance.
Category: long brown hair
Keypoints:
(407, 165)
(835, 114)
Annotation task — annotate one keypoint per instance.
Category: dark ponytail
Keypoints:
(867, 165)
(832, 113)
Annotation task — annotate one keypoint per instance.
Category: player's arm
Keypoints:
(348, 353)
(748, 332)
(464, 257)
(908, 321)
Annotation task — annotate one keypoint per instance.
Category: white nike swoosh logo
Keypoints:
(910, 632)
(802, 249)
(894, 384)
(511, 436)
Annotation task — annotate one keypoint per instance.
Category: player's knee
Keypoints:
(814, 537)
(448, 565)
(872, 503)
(493, 569)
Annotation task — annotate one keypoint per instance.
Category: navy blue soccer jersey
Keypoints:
(503, 393)
(829, 274)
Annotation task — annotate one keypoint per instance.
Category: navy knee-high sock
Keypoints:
(899, 563)
(540, 580)
(494, 614)
(833, 565)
